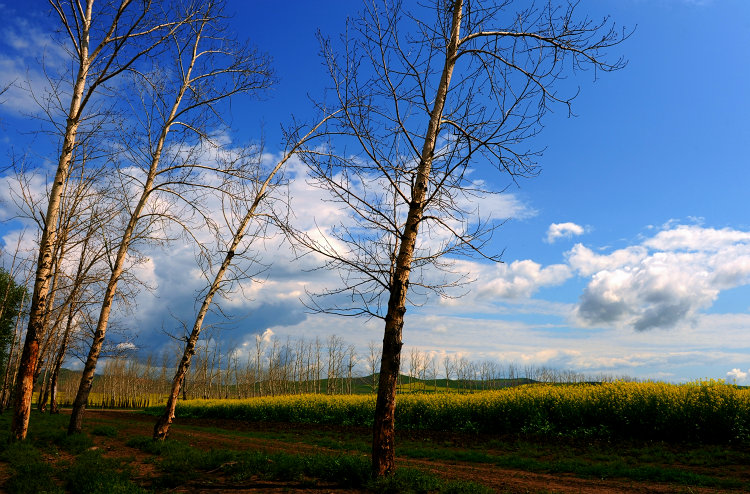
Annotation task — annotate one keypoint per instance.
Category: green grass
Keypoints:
(93, 474)
(105, 430)
(89, 473)
(605, 468)
(179, 462)
(33, 466)
(31, 474)
(649, 461)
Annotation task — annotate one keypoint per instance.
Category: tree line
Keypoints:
(299, 366)
(416, 98)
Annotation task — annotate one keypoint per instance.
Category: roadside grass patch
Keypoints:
(605, 466)
(93, 474)
(75, 443)
(639, 460)
(180, 462)
(105, 431)
(414, 481)
(31, 474)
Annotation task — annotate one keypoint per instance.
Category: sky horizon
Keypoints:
(628, 255)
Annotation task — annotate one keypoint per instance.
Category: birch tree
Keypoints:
(104, 39)
(429, 95)
(240, 229)
(178, 101)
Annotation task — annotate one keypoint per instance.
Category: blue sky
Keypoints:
(629, 254)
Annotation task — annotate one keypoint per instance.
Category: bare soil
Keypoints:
(207, 434)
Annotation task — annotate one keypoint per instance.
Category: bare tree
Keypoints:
(425, 101)
(448, 367)
(104, 41)
(206, 67)
(239, 232)
(85, 277)
(373, 357)
(351, 361)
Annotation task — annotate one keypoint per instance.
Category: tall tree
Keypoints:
(239, 232)
(428, 95)
(104, 39)
(179, 98)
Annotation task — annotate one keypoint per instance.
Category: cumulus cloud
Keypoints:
(737, 375)
(697, 238)
(563, 230)
(667, 279)
(520, 279)
(586, 262)
(266, 336)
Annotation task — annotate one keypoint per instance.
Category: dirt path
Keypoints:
(500, 479)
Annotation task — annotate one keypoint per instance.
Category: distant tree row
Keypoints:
(296, 366)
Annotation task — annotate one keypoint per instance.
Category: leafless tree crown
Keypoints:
(509, 65)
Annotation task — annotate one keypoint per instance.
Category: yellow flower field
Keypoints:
(706, 411)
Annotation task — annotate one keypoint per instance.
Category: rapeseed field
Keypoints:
(706, 411)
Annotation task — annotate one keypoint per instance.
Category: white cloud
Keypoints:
(519, 279)
(586, 262)
(667, 279)
(697, 238)
(266, 336)
(737, 375)
(23, 44)
(499, 206)
(664, 281)
(563, 230)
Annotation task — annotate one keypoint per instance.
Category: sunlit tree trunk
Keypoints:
(39, 300)
(383, 442)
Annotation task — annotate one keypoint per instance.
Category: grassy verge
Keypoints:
(694, 464)
(50, 461)
(178, 462)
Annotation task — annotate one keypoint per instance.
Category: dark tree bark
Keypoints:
(411, 134)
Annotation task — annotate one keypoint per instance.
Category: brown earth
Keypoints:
(195, 433)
